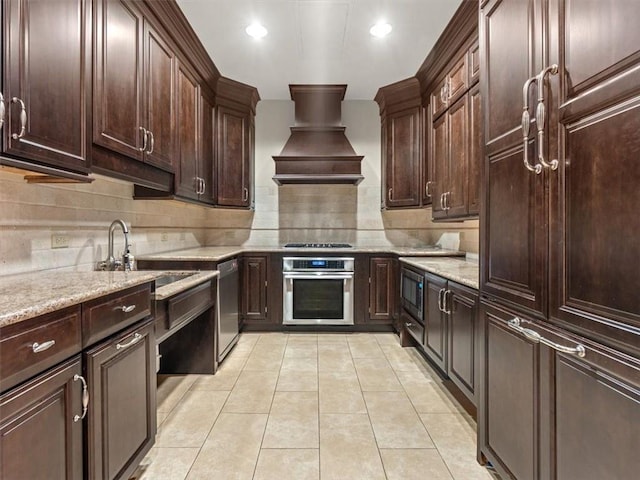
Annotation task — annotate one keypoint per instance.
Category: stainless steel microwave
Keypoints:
(411, 293)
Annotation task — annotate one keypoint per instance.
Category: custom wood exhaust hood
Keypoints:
(318, 151)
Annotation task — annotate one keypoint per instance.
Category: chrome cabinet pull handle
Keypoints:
(85, 398)
(127, 308)
(204, 186)
(447, 294)
(145, 136)
(197, 182)
(23, 119)
(427, 189)
(446, 201)
(408, 324)
(515, 323)
(389, 194)
(541, 114)
(152, 142)
(136, 338)
(2, 110)
(200, 186)
(442, 201)
(41, 347)
(526, 126)
(441, 300)
(245, 197)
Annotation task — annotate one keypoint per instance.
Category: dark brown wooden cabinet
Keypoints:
(234, 164)
(254, 288)
(382, 290)
(555, 405)
(121, 428)
(45, 93)
(188, 182)
(435, 320)
(509, 413)
(557, 218)
(235, 128)
(402, 137)
(39, 436)
(462, 351)
(401, 158)
(134, 106)
(160, 63)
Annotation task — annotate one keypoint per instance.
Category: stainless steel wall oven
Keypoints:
(317, 290)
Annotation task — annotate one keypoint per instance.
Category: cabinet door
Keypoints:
(233, 158)
(457, 177)
(439, 161)
(594, 192)
(118, 114)
(206, 154)
(187, 178)
(438, 99)
(160, 75)
(435, 321)
(514, 219)
(597, 413)
(121, 375)
(39, 438)
(509, 414)
(47, 68)
(457, 79)
(254, 288)
(381, 290)
(403, 159)
(427, 165)
(463, 319)
(475, 151)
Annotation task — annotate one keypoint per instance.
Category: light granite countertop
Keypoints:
(459, 270)
(216, 254)
(33, 294)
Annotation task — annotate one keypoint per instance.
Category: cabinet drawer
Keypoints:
(107, 315)
(27, 349)
(189, 304)
(415, 328)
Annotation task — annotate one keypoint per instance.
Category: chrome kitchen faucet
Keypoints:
(111, 263)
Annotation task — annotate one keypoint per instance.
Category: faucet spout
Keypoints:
(111, 263)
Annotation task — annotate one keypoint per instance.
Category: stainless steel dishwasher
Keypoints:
(228, 287)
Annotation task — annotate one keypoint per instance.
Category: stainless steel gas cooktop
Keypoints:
(317, 245)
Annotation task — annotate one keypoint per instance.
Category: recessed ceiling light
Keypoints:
(380, 29)
(256, 30)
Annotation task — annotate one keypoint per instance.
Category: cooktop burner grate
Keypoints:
(317, 245)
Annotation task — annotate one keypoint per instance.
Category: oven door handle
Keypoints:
(317, 276)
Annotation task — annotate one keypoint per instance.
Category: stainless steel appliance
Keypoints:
(411, 292)
(318, 291)
(317, 245)
(228, 286)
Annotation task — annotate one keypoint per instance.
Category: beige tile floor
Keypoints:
(311, 407)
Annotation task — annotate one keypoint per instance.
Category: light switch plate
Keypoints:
(60, 240)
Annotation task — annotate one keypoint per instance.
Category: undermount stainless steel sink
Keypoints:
(170, 278)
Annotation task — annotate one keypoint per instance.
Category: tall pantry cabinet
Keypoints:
(560, 315)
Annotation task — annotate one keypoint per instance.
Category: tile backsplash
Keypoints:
(30, 214)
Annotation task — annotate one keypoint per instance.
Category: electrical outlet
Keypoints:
(164, 237)
(60, 240)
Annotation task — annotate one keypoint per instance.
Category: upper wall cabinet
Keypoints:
(134, 92)
(45, 93)
(448, 84)
(235, 105)
(402, 137)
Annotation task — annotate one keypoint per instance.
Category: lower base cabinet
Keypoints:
(39, 439)
(121, 376)
(554, 405)
(450, 323)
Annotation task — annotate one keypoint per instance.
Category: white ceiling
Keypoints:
(318, 41)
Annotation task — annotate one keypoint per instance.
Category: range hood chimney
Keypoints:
(318, 151)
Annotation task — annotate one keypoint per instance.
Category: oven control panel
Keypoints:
(307, 264)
